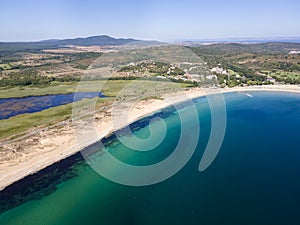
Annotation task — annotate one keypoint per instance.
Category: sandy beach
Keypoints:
(31, 154)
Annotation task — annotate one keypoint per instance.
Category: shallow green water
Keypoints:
(253, 180)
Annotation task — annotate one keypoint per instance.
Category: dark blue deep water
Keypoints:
(14, 106)
(253, 180)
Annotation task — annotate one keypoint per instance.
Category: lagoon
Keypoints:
(14, 106)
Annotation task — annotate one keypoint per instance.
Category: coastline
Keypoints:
(41, 150)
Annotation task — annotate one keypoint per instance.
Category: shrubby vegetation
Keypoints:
(31, 78)
(157, 68)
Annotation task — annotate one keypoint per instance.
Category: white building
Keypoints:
(294, 52)
(219, 70)
(271, 79)
(211, 77)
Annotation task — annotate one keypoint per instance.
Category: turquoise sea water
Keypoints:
(253, 180)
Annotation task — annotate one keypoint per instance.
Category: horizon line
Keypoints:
(159, 39)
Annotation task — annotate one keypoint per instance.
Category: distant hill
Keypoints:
(102, 40)
(95, 40)
(264, 48)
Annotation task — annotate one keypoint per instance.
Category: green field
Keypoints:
(111, 88)
(281, 74)
(6, 66)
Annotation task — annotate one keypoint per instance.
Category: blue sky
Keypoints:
(155, 19)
